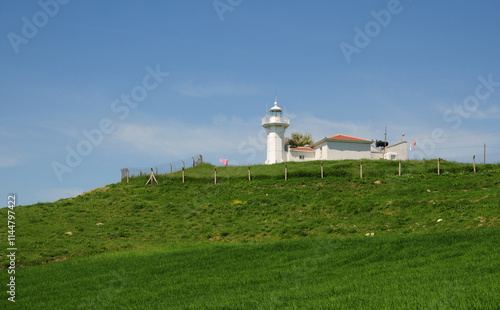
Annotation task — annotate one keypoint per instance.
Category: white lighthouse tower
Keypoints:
(275, 124)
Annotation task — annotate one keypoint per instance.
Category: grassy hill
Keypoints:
(268, 243)
(267, 208)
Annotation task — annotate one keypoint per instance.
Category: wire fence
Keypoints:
(165, 168)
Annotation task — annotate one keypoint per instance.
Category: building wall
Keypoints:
(317, 153)
(400, 148)
(390, 156)
(376, 154)
(294, 155)
(324, 151)
(347, 150)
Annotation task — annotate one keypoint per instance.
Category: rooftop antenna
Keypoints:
(385, 139)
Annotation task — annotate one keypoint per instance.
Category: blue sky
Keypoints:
(199, 75)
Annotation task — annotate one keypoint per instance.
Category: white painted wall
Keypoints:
(317, 153)
(400, 148)
(390, 155)
(294, 155)
(275, 143)
(345, 150)
(376, 154)
(324, 151)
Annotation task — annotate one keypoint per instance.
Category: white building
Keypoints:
(329, 148)
(275, 124)
(396, 151)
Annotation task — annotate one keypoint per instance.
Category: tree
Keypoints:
(299, 139)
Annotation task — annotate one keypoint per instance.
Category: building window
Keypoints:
(301, 156)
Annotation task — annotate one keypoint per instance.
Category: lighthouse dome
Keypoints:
(275, 108)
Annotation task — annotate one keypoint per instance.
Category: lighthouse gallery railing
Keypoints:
(272, 119)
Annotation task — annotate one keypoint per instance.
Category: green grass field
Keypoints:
(456, 270)
(268, 243)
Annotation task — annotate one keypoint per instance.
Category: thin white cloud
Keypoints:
(68, 132)
(8, 161)
(224, 120)
(177, 139)
(7, 134)
(491, 112)
(320, 128)
(216, 88)
(55, 194)
(483, 111)
(225, 135)
(457, 145)
(245, 140)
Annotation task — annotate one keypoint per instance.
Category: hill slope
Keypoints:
(267, 208)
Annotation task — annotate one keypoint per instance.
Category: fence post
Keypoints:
(121, 175)
(193, 161)
(215, 176)
(182, 174)
(140, 173)
(286, 172)
(439, 159)
(249, 174)
(183, 164)
(474, 162)
(170, 168)
(400, 167)
(152, 178)
(321, 169)
(127, 175)
(201, 159)
(361, 169)
(156, 170)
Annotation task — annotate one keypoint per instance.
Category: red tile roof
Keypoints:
(344, 137)
(303, 148)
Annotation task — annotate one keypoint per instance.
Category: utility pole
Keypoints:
(385, 140)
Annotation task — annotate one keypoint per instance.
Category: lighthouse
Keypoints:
(275, 124)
